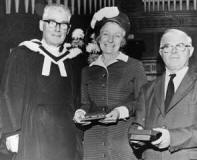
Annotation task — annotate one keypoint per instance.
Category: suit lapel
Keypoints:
(183, 89)
(159, 93)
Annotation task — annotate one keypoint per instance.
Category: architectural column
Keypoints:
(163, 5)
(168, 5)
(144, 5)
(16, 5)
(90, 6)
(50, 1)
(194, 2)
(149, 5)
(84, 6)
(73, 6)
(113, 2)
(153, 4)
(181, 4)
(57, 1)
(95, 5)
(79, 6)
(187, 4)
(26, 6)
(66, 3)
(32, 6)
(105, 3)
(109, 2)
(158, 5)
(174, 2)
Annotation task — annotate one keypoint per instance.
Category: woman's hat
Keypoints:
(110, 14)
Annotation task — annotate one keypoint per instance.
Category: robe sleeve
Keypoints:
(77, 64)
(85, 100)
(13, 88)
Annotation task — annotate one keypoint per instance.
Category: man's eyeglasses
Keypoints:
(53, 24)
(179, 47)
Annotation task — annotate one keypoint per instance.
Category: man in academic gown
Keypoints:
(37, 100)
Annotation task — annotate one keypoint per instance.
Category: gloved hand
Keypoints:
(79, 117)
(111, 117)
(164, 140)
(12, 143)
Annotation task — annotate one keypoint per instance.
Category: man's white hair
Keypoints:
(176, 32)
(60, 8)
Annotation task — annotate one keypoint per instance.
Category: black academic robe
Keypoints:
(40, 108)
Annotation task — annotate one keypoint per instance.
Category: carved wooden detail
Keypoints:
(161, 21)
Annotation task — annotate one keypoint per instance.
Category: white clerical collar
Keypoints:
(35, 45)
(54, 50)
(99, 61)
(51, 57)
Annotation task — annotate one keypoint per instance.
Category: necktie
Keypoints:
(169, 92)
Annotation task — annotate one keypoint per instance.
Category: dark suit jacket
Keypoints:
(180, 119)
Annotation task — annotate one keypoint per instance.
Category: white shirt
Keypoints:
(177, 80)
(52, 49)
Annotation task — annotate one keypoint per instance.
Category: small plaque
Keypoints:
(94, 116)
(144, 135)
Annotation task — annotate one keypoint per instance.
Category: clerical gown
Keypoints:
(40, 108)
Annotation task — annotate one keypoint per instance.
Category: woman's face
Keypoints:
(111, 36)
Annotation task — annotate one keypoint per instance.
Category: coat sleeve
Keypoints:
(140, 109)
(139, 120)
(138, 80)
(13, 91)
(73, 73)
(183, 138)
(77, 64)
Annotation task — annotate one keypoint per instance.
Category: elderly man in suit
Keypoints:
(172, 114)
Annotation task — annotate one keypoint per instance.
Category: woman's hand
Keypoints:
(79, 117)
(111, 117)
